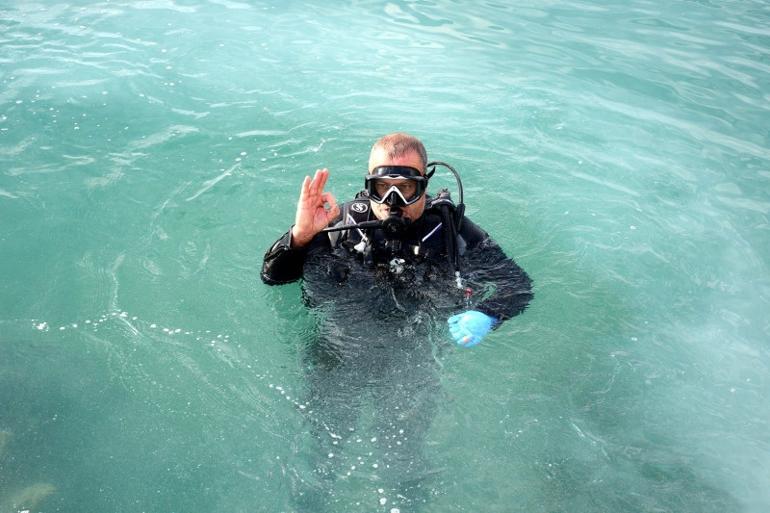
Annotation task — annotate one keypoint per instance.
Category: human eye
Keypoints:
(407, 188)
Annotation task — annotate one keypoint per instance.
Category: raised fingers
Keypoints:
(319, 181)
(323, 178)
(304, 189)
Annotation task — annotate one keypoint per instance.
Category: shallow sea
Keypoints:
(151, 151)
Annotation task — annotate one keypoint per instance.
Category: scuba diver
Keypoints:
(393, 226)
(384, 274)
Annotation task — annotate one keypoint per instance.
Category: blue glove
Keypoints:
(468, 328)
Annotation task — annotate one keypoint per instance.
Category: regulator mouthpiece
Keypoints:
(395, 224)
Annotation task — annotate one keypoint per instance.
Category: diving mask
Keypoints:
(388, 184)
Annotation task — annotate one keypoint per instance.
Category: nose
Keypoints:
(393, 200)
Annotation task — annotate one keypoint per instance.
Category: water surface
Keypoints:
(151, 151)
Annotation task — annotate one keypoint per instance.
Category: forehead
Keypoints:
(379, 157)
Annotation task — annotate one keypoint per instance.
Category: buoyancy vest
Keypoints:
(433, 234)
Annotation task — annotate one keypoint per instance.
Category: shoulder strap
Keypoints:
(352, 212)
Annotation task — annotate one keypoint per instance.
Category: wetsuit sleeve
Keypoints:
(283, 263)
(487, 263)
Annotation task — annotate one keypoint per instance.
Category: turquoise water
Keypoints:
(151, 151)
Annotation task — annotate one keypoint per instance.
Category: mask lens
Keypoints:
(410, 190)
(407, 188)
(406, 182)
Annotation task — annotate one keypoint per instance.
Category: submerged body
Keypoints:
(382, 275)
(380, 324)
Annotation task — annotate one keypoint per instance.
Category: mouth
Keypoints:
(388, 211)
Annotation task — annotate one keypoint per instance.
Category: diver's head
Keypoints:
(396, 181)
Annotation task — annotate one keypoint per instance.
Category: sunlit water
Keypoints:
(151, 151)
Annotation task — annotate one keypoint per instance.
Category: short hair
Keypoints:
(399, 144)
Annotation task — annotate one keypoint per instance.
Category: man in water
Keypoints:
(396, 190)
(399, 266)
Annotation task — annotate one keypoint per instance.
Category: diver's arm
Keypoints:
(487, 262)
(282, 262)
(285, 259)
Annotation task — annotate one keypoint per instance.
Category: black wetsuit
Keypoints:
(490, 281)
(381, 317)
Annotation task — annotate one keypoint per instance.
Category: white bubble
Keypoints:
(383, 501)
(375, 465)
(374, 439)
(380, 490)
(331, 455)
(153, 325)
(42, 326)
(395, 510)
